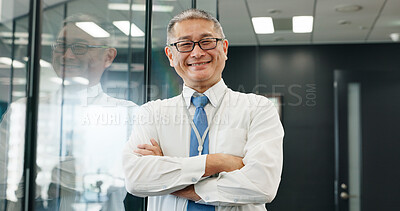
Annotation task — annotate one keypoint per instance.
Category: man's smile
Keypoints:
(199, 63)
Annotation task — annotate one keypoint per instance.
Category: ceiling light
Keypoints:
(263, 25)
(124, 27)
(93, 29)
(395, 37)
(44, 63)
(140, 7)
(9, 62)
(15, 81)
(18, 94)
(81, 80)
(59, 81)
(348, 8)
(302, 24)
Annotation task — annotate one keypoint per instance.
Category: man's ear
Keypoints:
(225, 44)
(109, 55)
(168, 53)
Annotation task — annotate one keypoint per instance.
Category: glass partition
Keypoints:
(164, 82)
(13, 78)
(91, 83)
(86, 116)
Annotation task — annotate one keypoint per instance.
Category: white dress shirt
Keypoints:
(246, 125)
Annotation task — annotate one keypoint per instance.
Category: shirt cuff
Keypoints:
(193, 169)
(207, 190)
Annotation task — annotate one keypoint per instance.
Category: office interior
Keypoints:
(336, 87)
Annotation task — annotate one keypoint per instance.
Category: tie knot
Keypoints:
(199, 101)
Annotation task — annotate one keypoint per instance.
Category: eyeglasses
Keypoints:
(77, 48)
(205, 44)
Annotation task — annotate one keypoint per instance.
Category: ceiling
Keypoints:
(372, 24)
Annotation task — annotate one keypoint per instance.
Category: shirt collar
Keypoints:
(214, 93)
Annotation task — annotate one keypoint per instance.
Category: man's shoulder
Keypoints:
(249, 98)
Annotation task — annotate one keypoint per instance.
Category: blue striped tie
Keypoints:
(200, 121)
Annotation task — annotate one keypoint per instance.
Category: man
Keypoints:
(229, 158)
(79, 129)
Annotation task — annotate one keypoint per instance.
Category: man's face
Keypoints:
(198, 68)
(89, 65)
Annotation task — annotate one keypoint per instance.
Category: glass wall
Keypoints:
(91, 82)
(13, 80)
(164, 82)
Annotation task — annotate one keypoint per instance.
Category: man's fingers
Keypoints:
(157, 147)
(145, 146)
(153, 149)
(154, 142)
(144, 152)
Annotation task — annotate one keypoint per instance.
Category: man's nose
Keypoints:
(197, 51)
(68, 53)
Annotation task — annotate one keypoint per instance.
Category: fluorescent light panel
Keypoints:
(9, 61)
(44, 63)
(302, 24)
(93, 29)
(59, 81)
(124, 27)
(140, 7)
(81, 80)
(395, 37)
(263, 25)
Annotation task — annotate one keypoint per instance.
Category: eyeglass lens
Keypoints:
(205, 44)
(77, 49)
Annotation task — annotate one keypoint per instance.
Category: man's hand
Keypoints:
(187, 193)
(216, 163)
(147, 149)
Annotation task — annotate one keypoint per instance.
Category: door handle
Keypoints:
(345, 195)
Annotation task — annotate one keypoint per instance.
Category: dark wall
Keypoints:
(304, 75)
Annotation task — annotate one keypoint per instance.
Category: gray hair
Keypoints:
(189, 15)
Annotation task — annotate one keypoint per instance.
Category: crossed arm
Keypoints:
(253, 179)
(215, 163)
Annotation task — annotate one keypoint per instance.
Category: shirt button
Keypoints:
(194, 179)
(207, 198)
(235, 200)
(164, 187)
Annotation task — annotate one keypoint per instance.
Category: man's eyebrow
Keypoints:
(201, 36)
(73, 41)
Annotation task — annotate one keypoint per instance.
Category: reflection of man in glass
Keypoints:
(94, 135)
(81, 129)
(78, 54)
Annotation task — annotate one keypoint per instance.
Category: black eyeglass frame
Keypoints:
(198, 43)
(73, 45)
